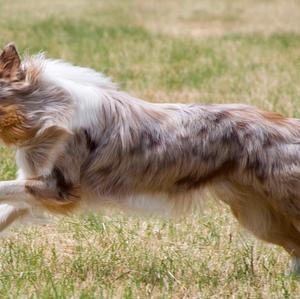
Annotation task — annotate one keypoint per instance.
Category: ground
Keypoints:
(208, 51)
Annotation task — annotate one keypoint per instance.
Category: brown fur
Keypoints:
(53, 202)
(13, 127)
(10, 64)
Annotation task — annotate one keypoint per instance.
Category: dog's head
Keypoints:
(27, 105)
(13, 125)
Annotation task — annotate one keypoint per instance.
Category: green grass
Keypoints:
(202, 51)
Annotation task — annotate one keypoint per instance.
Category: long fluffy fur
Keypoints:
(94, 146)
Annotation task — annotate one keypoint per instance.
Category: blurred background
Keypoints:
(208, 51)
(203, 51)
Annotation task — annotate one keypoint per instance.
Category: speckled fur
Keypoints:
(83, 144)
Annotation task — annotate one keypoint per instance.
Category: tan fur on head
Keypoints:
(8, 117)
(13, 127)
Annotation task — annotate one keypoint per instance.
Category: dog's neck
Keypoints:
(94, 97)
(87, 89)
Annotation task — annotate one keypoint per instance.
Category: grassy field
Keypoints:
(186, 51)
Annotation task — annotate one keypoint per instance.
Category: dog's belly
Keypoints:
(161, 204)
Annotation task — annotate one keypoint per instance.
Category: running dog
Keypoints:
(82, 144)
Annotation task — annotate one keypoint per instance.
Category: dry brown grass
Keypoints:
(216, 18)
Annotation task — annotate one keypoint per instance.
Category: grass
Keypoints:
(192, 51)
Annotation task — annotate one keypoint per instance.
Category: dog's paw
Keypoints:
(294, 267)
(8, 214)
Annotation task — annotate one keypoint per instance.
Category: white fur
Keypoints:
(86, 87)
(6, 210)
(32, 215)
(60, 70)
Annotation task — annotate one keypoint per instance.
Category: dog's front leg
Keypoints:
(16, 198)
(19, 189)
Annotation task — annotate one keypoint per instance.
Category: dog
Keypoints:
(82, 144)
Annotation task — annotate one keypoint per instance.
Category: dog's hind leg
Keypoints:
(269, 225)
(272, 227)
(287, 203)
(255, 213)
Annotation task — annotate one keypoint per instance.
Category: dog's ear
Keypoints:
(10, 63)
